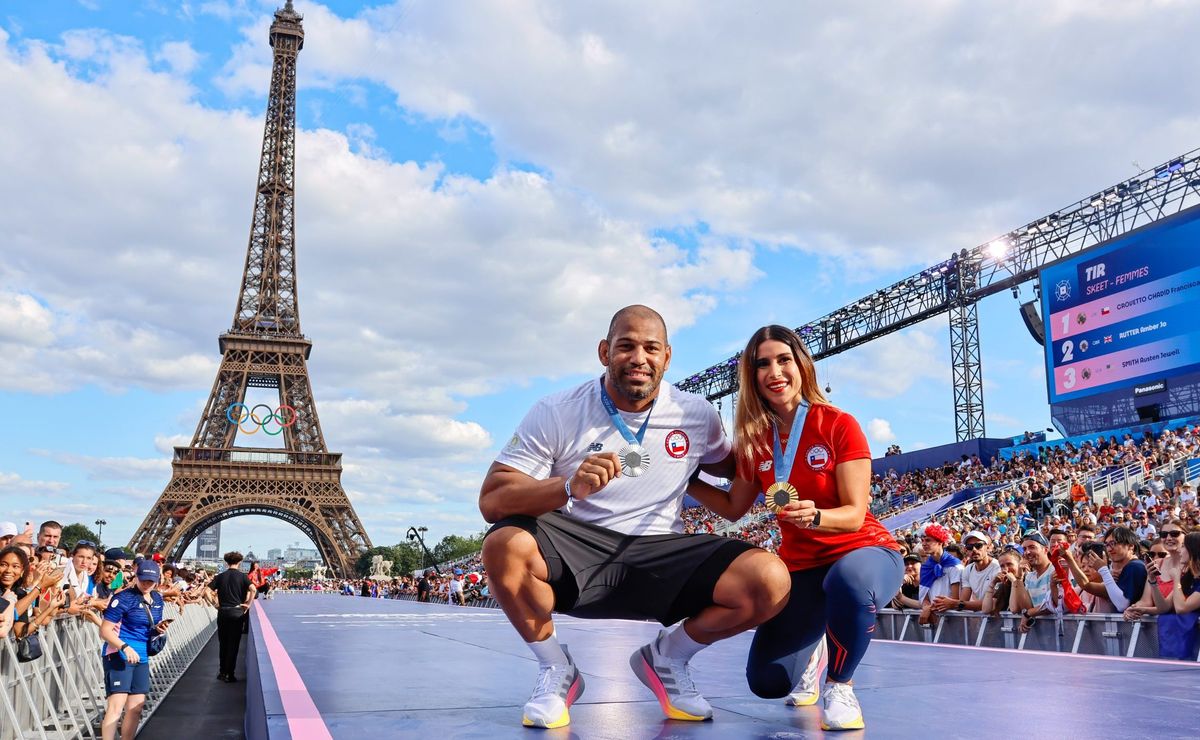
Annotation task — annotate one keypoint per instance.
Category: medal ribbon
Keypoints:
(619, 423)
(783, 463)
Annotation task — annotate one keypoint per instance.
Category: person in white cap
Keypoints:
(8, 531)
(980, 571)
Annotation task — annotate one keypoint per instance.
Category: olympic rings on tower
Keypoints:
(283, 416)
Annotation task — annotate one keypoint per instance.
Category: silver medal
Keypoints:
(634, 460)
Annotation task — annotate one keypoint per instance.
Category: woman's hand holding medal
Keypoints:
(799, 514)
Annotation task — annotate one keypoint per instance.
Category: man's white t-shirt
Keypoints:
(979, 580)
(563, 429)
(941, 586)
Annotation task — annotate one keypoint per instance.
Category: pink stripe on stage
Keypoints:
(304, 721)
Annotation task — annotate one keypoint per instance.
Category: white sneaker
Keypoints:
(840, 710)
(558, 686)
(671, 683)
(806, 693)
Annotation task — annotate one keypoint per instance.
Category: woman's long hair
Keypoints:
(753, 418)
(1191, 542)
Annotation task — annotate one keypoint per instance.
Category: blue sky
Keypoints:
(479, 188)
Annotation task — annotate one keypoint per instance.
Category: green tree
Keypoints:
(407, 557)
(454, 546)
(73, 533)
(297, 573)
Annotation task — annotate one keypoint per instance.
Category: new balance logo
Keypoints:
(595, 447)
(764, 466)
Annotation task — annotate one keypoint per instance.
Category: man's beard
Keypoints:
(633, 394)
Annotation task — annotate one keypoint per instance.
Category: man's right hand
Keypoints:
(594, 473)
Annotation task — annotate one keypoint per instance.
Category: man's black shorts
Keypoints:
(601, 574)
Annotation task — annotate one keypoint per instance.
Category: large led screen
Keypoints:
(1125, 313)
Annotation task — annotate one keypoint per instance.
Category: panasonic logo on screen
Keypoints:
(1157, 386)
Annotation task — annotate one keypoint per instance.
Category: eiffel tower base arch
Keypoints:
(311, 500)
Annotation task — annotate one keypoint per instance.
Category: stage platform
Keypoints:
(350, 667)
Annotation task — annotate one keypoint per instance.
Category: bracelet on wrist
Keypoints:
(570, 499)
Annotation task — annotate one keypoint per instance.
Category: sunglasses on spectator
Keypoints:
(975, 546)
(1158, 554)
(1172, 533)
(86, 543)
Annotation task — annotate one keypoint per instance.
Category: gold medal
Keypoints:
(634, 460)
(781, 494)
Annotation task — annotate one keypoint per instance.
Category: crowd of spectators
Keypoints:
(463, 585)
(1137, 554)
(43, 582)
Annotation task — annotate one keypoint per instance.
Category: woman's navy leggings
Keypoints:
(838, 600)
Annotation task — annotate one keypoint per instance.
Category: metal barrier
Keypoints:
(61, 694)
(1086, 634)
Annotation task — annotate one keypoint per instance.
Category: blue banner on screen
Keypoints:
(1125, 313)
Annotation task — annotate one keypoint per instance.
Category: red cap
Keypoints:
(156, 557)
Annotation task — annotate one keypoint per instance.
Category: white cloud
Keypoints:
(24, 321)
(14, 483)
(416, 287)
(167, 444)
(179, 56)
(880, 431)
(889, 367)
(884, 135)
(375, 425)
(112, 468)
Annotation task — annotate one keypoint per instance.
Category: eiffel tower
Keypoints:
(212, 479)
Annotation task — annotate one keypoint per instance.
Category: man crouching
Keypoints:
(586, 521)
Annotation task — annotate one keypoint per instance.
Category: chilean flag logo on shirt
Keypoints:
(818, 457)
(677, 444)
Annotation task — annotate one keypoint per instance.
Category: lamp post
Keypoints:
(100, 530)
(415, 534)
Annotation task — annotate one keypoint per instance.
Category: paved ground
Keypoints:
(375, 668)
(200, 706)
